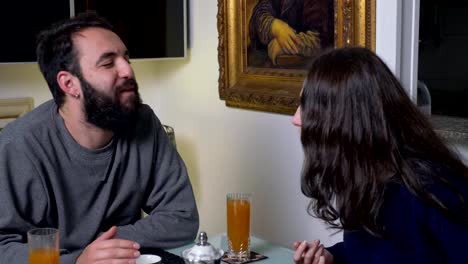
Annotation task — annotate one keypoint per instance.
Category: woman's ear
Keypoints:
(69, 83)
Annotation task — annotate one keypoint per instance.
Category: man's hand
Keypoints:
(106, 249)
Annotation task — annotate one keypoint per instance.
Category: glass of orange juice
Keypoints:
(43, 244)
(238, 225)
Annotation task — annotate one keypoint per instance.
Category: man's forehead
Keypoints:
(96, 41)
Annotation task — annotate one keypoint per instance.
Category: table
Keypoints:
(275, 253)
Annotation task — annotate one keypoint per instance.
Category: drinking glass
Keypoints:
(43, 244)
(238, 225)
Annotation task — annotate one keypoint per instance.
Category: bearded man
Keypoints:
(89, 161)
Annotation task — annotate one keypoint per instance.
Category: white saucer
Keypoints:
(148, 259)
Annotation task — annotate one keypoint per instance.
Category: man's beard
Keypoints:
(108, 112)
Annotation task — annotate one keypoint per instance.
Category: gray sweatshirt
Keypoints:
(48, 180)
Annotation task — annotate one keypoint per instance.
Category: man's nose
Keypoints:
(125, 69)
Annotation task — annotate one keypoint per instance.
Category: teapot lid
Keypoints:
(203, 250)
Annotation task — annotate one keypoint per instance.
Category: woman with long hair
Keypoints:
(375, 168)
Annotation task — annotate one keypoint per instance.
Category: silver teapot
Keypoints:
(203, 252)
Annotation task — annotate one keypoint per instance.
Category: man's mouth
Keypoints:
(126, 90)
(128, 86)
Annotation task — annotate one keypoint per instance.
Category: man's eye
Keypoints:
(108, 64)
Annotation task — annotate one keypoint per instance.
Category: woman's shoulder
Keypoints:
(450, 187)
(438, 181)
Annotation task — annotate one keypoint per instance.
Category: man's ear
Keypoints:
(69, 83)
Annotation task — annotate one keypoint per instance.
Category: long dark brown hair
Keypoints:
(360, 132)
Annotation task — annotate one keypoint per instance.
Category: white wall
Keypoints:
(226, 149)
(388, 32)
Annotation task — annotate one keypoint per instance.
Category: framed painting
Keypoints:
(265, 46)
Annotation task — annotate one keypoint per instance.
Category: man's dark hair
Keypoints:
(55, 50)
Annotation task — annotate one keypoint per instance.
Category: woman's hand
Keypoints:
(286, 37)
(311, 253)
(274, 50)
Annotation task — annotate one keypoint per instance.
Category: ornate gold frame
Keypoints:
(274, 90)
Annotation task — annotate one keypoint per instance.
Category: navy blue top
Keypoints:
(416, 232)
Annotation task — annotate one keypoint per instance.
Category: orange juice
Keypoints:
(238, 224)
(44, 256)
